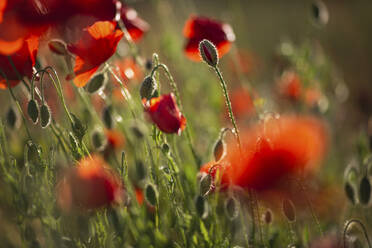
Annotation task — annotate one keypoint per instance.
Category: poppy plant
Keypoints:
(272, 151)
(19, 64)
(164, 112)
(199, 28)
(102, 38)
(89, 185)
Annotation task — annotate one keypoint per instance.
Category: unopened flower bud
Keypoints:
(151, 194)
(97, 83)
(99, 140)
(219, 150)
(349, 191)
(208, 52)
(201, 206)
(33, 111)
(365, 191)
(45, 116)
(289, 210)
(148, 88)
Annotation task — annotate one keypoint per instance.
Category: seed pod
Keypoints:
(231, 208)
(268, 217)
(58, 47)
(219, 150)
(151, 194)
(208, 52)
(349, 191)
(365, 191)
(45, 116)
(319, 13)
(201, 206)
(205, 184)
(13, 118)
(99, 140)
(78, 128)
(289, 210)
(33, 111)
(148, 88)
(97, 83)
(108, 117)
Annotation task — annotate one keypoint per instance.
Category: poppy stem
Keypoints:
(125, 92)
(347, 225)
(179, 103)
(228, 104)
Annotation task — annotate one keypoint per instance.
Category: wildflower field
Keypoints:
(171, 123)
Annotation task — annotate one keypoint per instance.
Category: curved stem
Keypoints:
(228, 104)
(348, 223)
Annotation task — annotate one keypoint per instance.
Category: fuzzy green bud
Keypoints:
(33, 111)
(45, 116)
(208, 52)
(148, 88)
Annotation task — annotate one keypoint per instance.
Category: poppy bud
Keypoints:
(45, 116)
(205, 184)
(268, 217)
(165, 148)
(201, 206)
(148, 88)
(365, 191)
(208, 52)
(231, 208)
(319, 13)
(33, 111)
(58, 47)
(349, 191)
(107, 116)
(289, 210)
(74, 145)
(97, 83)
(140, 170)
(78, 128)
(13, 118)
(99, 140)
(33, 153)
(151, 194)
(219, 150)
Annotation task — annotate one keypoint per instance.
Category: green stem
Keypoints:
(228, 104)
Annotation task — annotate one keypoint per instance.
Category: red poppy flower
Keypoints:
(198, 28)
(164, 112)
(102, 38)
(272, 151)
(89, 185)
(23, 60)
(136, 26)
(290, 86)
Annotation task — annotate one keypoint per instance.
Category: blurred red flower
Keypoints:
(23, 60)
(129, 69)
(198, 28)
(290, 86)
(89, 185)
(97, 44)
(136, 26)
(164, 112)
(115, 139)
(242, 103)
(272, 151)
